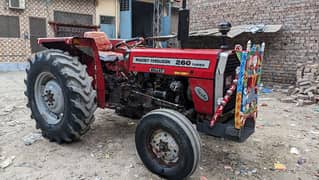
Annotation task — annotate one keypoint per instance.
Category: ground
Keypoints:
(108, 150)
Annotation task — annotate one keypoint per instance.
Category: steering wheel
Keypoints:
(129, 44)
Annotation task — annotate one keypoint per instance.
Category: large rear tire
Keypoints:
(60, 95)
(168, 144)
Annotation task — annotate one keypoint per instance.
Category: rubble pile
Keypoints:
(306, 91)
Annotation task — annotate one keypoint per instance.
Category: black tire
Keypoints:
(78, 94)
(185, 135)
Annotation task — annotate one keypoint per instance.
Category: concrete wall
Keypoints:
(13, 50)
(297, 42)
(108, 8)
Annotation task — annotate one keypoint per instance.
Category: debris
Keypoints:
(31, 138)
(98, 178)
(301, 161)
(254, 171)
(266, 99)
(306, 89)
(7, 162)
(237, 172)
(243, 172)
(279, 166)
(300, 102)
(12, 123)
(227, 167)
(259, 126)
(294, 150)
(131, 123)
(203, 178)
(266, 90)
(8, 109)
(107, 155)
(264, 104)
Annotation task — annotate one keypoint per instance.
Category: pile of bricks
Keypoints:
(306, 91)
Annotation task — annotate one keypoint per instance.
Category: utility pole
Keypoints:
(158, 13)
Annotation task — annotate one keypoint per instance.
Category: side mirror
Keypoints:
(183, 25)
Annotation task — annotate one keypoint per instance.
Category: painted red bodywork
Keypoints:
(197, 76)
(204, 54)
(205, 107)
(93, 63)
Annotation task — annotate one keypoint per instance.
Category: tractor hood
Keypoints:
(200, 63)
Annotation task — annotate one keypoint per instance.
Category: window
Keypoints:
(10, 26)
(73, 18)
(124, 5)
(107, 20)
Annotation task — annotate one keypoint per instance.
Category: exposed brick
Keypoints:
(18, 49)
(297, 42)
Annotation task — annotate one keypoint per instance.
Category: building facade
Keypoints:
(20, 27)
(124, 19)
(107, 16)
(297, 42)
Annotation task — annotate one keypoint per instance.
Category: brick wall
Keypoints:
(18, 49)
(297, 42)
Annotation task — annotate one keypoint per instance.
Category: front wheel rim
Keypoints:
(49, 98)
(164, 147)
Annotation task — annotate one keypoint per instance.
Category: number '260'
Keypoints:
(183, 62)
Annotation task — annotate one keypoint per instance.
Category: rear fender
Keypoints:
(87, 50)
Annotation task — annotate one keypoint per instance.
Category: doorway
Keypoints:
(38, 29)
(142, 19)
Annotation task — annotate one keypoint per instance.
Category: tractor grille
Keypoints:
(230, 70)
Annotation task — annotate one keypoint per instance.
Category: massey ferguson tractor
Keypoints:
(175, 92)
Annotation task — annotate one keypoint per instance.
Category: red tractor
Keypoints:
(171, 90)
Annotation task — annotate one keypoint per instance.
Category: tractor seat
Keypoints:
(104, 46)
(110, 56)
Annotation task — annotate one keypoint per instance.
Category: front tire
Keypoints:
(168, 144)
(60, 95)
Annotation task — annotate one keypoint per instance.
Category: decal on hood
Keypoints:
(192, 63)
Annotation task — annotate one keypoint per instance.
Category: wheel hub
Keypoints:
(164, 147)
(53, 97)
(49, 98)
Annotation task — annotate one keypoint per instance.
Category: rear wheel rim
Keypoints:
(164, 147)
(49, 98)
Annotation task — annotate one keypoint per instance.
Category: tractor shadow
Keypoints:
(108, 130)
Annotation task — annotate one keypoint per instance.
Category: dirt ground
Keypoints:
(108, 150)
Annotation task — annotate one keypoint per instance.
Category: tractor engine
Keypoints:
(135, 94)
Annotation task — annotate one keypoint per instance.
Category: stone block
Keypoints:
(295, 91)
(310, 89)
(287, 100)
(307, 70)
(300, 102)
(311, 96)
(302, 97)
(308, 102)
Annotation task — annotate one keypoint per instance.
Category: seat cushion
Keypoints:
(109, 56)
(101, 40)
